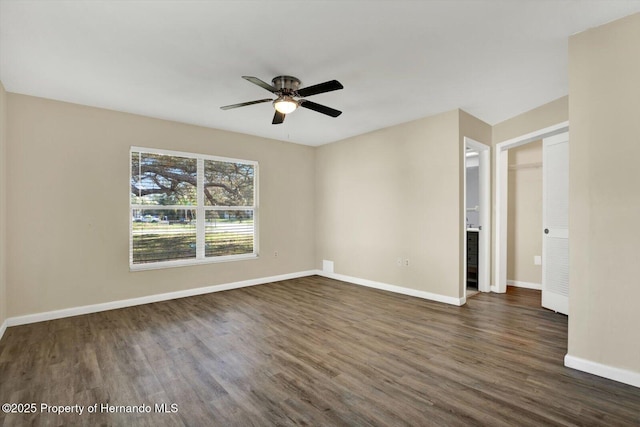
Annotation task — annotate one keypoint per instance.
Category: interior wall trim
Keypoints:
(95, 308)
(394, 288)
(528, 285)
(601, 370)
(3, 328)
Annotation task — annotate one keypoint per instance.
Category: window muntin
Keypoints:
(190, 208)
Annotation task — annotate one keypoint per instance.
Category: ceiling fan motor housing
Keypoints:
(287, 84)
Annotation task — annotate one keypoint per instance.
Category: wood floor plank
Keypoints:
(310, 351)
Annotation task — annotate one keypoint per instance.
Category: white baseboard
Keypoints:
(3, 328)
(393, 288)
(94, 308)
(528, 285)
(605, 371)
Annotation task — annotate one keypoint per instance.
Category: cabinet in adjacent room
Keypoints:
(472, 259)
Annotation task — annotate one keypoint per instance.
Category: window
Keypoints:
(190, 209)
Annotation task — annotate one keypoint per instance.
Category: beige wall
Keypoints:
(69, 238)
(524, 220)
(389, 194)
(604, 106)
(69, 216)
(3, 206)
(541, 117)
(474, 128)
(396, 193)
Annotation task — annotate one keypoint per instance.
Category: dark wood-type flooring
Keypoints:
(311, 351)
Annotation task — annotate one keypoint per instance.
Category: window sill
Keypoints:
(190, 262)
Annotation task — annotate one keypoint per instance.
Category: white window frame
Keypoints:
(200, 209)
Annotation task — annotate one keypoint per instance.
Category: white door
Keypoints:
(555, 223)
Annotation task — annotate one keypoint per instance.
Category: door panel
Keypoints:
(555, 220)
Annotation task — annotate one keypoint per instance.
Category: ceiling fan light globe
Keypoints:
(285, 105)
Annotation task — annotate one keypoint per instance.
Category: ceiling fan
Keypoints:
(287, 90)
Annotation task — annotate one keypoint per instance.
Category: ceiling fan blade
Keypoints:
(278, 118)
(320, 88)
(319, 108)
(244, 104)
(257, 81)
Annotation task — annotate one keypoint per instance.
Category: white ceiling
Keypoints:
(398, 60)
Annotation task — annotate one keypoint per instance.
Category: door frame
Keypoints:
(484, 193)
(501, 166)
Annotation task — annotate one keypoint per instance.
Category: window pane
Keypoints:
(228, 184)
(163, 234)
(158, 179)
(228, 232)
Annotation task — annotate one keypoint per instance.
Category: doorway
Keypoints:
(501, 202)
(476, 224)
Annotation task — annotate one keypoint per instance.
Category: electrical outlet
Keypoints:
(275, 254)
(406, 262)
(537, 260)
